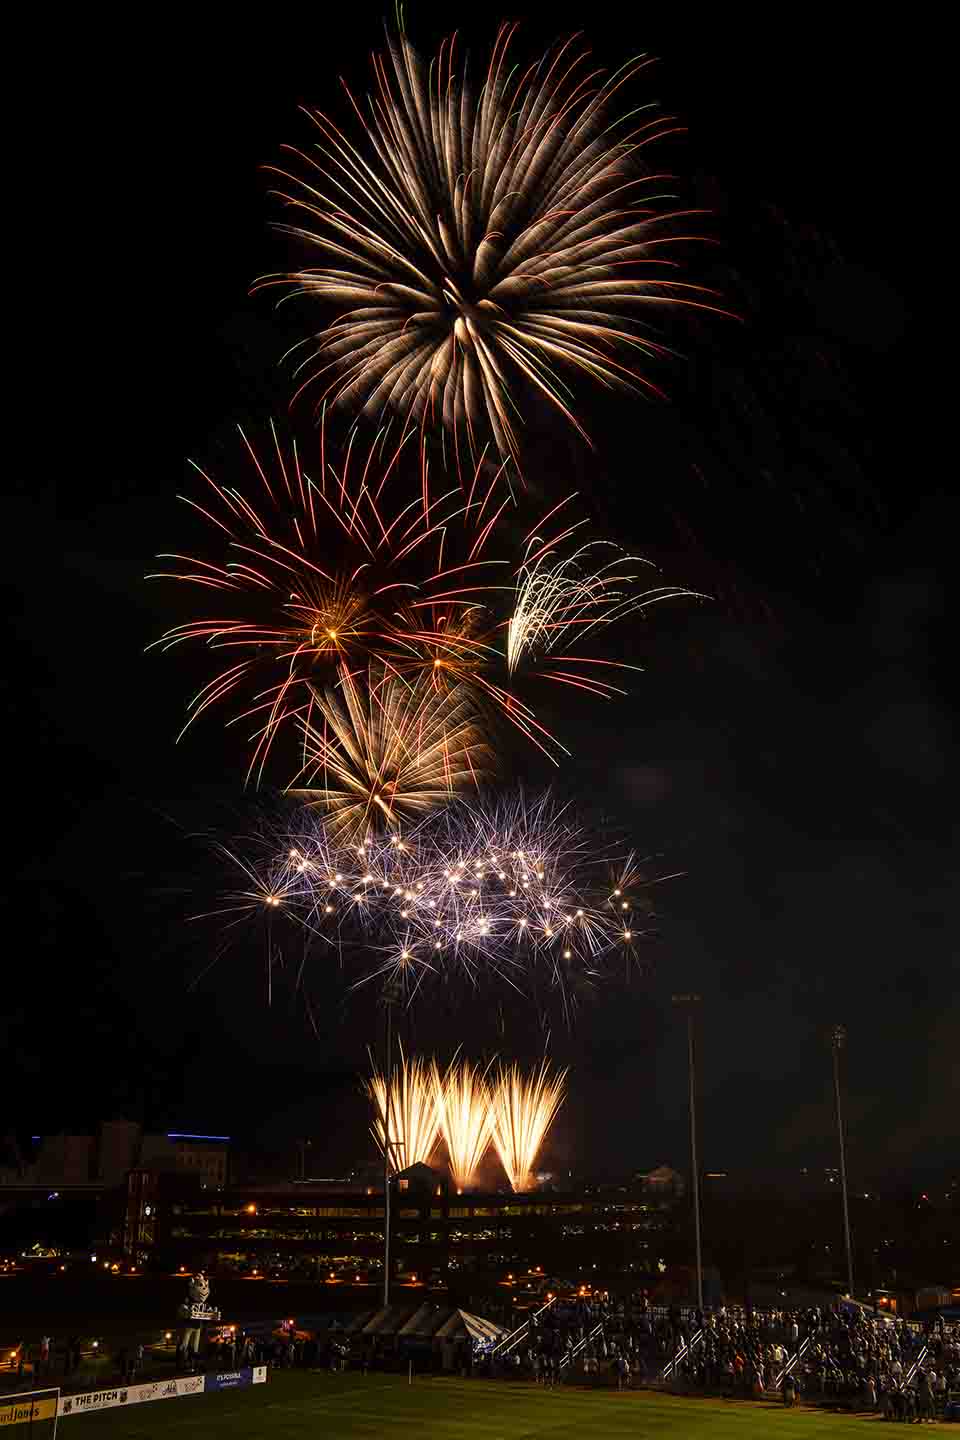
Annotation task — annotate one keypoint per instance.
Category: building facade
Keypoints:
(315, 1230)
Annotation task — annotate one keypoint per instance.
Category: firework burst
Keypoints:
(318, 575)
(383, 749)
(513, 892)
(472, 237)
(320, 581)
(523, 1108)
(414, 1123)
(466, 1122)
(562, 596)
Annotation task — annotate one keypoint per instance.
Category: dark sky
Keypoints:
(792, 746)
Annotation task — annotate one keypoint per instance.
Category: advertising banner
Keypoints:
(230, 1379)
(190, 1385)
(93, 1400)
(27, 1410)
(131, 1395)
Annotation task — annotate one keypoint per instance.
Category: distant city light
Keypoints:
(185, 1135)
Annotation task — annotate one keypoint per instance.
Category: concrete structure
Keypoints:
(206, 1156)
(64, 1160)
(117, 1151)
(314, 1231)
(106, 1159)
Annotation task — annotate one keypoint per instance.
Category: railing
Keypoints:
(907, 1379)
(686, 1348)
(511, 1341)
(791, 1362)
(572, 1354)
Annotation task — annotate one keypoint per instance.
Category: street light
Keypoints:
(689, 1004)
(838, 1038)
(391, 994)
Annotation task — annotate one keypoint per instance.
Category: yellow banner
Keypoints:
(19, 1412)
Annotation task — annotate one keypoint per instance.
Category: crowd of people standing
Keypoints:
(842, 1357)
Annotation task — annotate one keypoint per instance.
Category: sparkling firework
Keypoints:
(466, 1121)
(560, 598)
(387, 749)
(523, 1110)
(414, 1125)
(325, 581)
(514, 891)
(318, 576)
(474, 236)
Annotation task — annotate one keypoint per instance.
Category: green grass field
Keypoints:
(344, 1406)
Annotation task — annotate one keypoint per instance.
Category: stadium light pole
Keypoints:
(689, 1004)
(837, 1039)
(389, 998)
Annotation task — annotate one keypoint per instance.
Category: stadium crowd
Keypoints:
(847, 1357)
(842, 1358)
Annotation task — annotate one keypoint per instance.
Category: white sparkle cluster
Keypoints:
(515, 887)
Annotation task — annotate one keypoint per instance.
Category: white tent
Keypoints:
(425, 1320)
(387, 1321)
(462, 1323)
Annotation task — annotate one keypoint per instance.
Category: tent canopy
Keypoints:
(425, 1320)
(429, 1320)
(387, 1321)
(461, 1322)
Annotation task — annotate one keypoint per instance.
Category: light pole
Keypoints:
(390, 995)
(838, 1038)
(689, 1003)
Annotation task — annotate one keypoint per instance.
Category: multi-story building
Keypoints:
(315, 1229)
(104, 1160)
(205, 1156)
(70, 1190)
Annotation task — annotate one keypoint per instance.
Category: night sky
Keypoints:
(791, 746)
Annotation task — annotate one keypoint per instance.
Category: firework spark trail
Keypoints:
(514, 892)
(388, 749)
(475, 236)
(523, 1109)
(414, 1124)
(320, 575)
(466, 1121)
(320, 579)
(560, 598)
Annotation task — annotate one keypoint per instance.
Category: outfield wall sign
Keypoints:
(26, 1411)
(140, 1394)
(130, 1395)
(235, 1379)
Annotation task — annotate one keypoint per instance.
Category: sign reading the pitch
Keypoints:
(94, 1400)
(25, 1412)
(131, 1395)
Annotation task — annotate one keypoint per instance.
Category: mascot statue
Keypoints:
(196, 1308)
